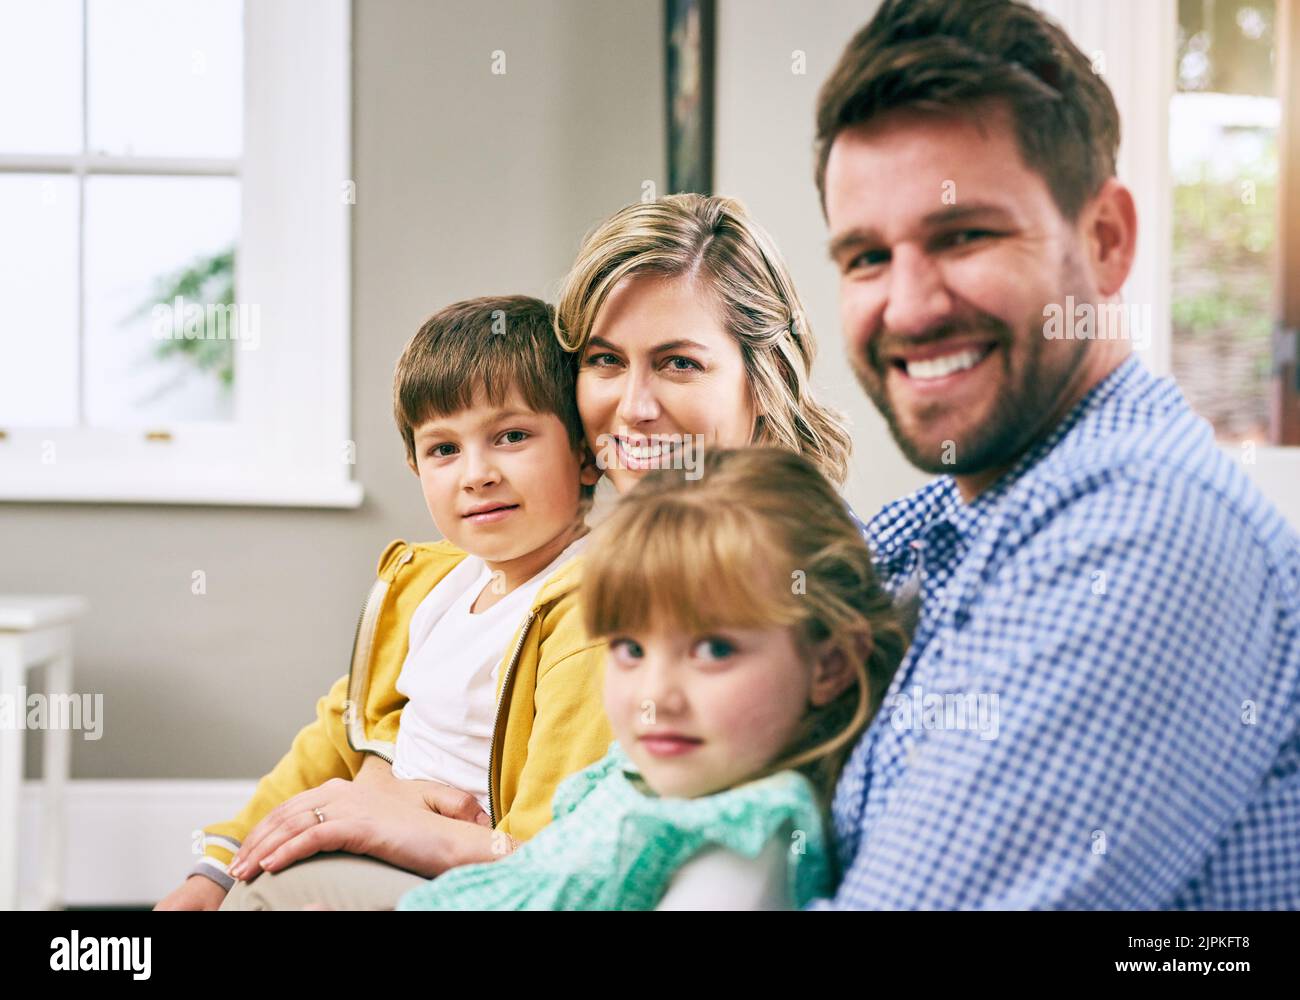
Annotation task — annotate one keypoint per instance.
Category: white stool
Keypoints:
(34, 631)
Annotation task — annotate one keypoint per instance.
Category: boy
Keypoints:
(485, 402)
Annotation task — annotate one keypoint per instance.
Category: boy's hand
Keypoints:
(196, 893)
(443, 799)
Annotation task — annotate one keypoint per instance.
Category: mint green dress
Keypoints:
(613, 846)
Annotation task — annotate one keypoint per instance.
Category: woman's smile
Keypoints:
(653, 452)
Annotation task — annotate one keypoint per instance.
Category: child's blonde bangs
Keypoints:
(678, 566)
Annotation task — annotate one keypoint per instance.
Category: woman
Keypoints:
(688, 334)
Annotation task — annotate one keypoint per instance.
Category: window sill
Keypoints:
(346, 495)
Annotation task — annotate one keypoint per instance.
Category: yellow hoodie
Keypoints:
(550, 720)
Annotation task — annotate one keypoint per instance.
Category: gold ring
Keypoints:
(320, 816)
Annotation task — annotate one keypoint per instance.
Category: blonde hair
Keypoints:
(760, 540)
(713, 240)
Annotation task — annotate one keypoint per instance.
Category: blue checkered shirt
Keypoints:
(1100, 707)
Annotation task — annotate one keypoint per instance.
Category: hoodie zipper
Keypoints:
(373, 600)
(501, 706)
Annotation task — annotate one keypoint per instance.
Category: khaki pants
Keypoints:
(340, 881)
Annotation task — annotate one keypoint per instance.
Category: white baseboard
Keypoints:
(128, 843)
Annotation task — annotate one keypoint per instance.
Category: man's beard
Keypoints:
(1030, 397)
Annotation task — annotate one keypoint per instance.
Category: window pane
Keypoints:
(142, 234)
(38, 286)
(1224, 157)
(166, 77)
(40, 76)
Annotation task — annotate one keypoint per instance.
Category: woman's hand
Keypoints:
(360, 818)
(443, 799)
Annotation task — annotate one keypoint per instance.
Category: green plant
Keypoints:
(209, 280)
(1221, 309)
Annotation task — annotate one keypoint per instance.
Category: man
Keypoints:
(1099, 707)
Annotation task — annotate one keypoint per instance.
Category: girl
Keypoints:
(749, 644)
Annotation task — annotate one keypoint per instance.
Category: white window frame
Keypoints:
(1136, 43)
(291, 444)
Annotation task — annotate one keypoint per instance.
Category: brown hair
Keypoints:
(714, 242)
(947, 55)
(490, 345)
(760, 540)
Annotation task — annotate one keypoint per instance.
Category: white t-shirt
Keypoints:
(450, 675)
(721, 879)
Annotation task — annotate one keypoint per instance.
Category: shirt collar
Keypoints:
(1115, 387)
(901, 523)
